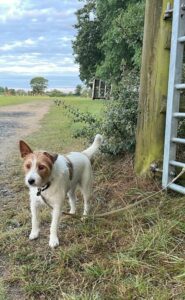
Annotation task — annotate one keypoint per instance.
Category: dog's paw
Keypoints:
(53, 242)
(34, 235)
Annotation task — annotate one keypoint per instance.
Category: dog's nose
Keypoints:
(31, 181)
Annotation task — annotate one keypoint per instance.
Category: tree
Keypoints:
(6, 92)
(85, 47)
(1, 90)
(21, 92)
(122, 30)
(12, 92)
(38, 85)
(56, 93)
(78, 90)
(111, 40)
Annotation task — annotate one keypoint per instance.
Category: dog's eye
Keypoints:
(41, 167)
(28, 166)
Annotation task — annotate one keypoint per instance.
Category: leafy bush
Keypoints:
(118, 122)
(120, 118)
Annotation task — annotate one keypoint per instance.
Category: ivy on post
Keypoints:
(153, 86)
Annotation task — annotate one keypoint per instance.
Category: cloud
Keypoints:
(42, 68)
(66, 38)
(10, 3)
(19, 44)
(17, 9)
(11, 8)
(34, 64)
(36, 38)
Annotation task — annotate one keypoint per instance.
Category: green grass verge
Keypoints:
(57, 129)
(135, 255)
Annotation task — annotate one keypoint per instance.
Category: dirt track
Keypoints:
(18, 121)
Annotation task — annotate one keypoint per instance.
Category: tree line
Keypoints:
(39, 86)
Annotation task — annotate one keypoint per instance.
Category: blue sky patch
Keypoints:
(36, 40)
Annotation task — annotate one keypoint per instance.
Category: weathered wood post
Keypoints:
(153, 86)
(93, 89)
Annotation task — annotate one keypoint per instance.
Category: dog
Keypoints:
(50, 177)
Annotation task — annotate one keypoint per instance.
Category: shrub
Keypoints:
(120, 117)
(118, 122)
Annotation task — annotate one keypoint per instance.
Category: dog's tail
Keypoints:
(93, 149)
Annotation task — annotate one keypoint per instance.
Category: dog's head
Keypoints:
(37, 165)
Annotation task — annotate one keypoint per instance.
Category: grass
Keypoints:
(135, 255)
(76, 101)
(58, 128)
(3, 295)
(13, 100)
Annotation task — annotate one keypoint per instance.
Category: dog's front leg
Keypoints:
(53, 241)
(35, 208)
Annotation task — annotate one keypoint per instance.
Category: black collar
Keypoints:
(45, 187)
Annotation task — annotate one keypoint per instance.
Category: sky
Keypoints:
(35, 40)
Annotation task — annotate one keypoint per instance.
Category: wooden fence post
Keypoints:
(153, 86)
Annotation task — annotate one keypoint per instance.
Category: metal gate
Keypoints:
(175, 87)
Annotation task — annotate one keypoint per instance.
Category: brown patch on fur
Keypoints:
(43, 164)
(24, 149)
(70, 167)
(53, 157)
(28, 161)
(41, 161)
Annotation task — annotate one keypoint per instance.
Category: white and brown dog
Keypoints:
(51, 177)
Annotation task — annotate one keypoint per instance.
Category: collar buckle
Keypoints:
(45, 187)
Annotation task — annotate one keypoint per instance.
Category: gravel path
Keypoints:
(18, 121)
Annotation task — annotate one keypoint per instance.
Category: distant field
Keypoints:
(86, 104)
(11, 100)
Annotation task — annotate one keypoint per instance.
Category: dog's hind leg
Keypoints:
(86, 195)
(72, 201)
(86, 188)
(86, 192)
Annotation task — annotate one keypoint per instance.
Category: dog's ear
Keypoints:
(52, 157)
(24, 149)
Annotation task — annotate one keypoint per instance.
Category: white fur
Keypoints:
(61, 185)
